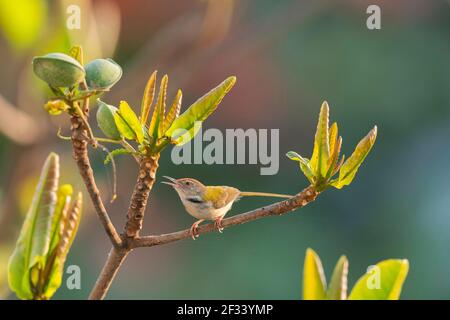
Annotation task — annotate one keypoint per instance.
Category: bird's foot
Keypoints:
(218, 224)
(193, 231)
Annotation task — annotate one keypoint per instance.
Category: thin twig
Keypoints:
(80, 154)
(300, 200)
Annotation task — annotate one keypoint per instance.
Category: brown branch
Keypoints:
(80, 154)
(298, 201)
(117, 255)
(112, 265)
(138, 202)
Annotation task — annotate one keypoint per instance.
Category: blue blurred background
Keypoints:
(288, 57)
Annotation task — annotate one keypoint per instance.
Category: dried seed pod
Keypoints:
(58, 70)
(102, 74)
(105, 120)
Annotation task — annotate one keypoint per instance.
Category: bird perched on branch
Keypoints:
(209, 202)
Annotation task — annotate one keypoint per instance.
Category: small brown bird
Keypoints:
(209, 202)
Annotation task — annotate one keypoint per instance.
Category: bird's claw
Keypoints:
(193, 231)
(218, 225)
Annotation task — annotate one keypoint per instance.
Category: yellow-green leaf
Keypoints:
(64, 197)
(173, 112)
(303, 163)
(68, 229)
(155, 129)
(337, 289)
(76, 52)
(198, 112)
(334, 157)
(384, 281)
(128, 123)
(333, 137)
(314, 283)
(34, 239)
(147, 99)
(319, 159)
(351, 165)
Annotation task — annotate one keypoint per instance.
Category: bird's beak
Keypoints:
(173, 182)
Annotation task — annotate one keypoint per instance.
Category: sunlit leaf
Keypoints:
(64, 197)
(337, 289)
(314, 283)
(155, 128)
(128, 123)
(334, 157)
(76, 52)
(319, 159)
(303, 163)
(147, 99)
(68, 226)
(198, 112)
(34, 239)
(350, 167)
(333, 136)
(384, 281)
(173, 112)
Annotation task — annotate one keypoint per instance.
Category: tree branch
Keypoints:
(80, 154)
(300, 200)
(146, 178)
(112, 265)
(117, 255)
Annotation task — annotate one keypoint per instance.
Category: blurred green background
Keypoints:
(288, 57)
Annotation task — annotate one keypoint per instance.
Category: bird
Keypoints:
(209, 202)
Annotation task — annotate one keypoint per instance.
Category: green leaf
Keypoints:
(128, 123)
(115, 153)
(198, 112)
(334, 157)
(22, 21)
(314, 283)
(34, 239)
(147, 99)
(383, 282)
(350, 167)
(68, 226)
(337, 289)
(321, 151)
(105, 120)
(304, 165)
(155, 129)
(333, 136)
(173, 112)
(64, 197)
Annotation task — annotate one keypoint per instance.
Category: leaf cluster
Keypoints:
(325, 163)
(383, 281)
(35, 268)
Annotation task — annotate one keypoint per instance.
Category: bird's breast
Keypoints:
(206, 210)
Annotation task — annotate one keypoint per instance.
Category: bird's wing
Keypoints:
(220, 196)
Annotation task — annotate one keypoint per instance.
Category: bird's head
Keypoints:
(186, 187)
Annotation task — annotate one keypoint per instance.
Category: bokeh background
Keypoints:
(288, 57)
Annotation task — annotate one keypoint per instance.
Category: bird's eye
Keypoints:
(187, 183)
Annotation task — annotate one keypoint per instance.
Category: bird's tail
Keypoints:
(263, 194)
